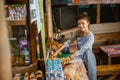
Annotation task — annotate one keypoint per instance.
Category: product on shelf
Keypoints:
(23, 43)
(65, 60)
(14, 46)
(20, 53)
(38, 75)
(73, 47)
(17, 12)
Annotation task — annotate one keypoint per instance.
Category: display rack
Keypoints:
(17, 23)
(30, 27)
(17, 1)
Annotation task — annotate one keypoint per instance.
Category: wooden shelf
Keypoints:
(88, 3)
(17, 23)
(16, 2)
(95, 2)
(21, 64)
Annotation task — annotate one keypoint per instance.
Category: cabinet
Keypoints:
(24, 25)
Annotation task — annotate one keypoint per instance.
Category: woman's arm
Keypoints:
(75, 35)
(73, 38)
(86, 45)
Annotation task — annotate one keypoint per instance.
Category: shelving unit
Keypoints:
(17, 23)
(17, 2)
(29, 26)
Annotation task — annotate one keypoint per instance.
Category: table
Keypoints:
(75, 70)
(111, 51)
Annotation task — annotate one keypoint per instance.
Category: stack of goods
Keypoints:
(15, 50)
(14, 46)
(33, 76)
(54, 70)
(75, 70)
(17, 12)
(65, 60)
(55, 45)
(20, 52)
(23, 43)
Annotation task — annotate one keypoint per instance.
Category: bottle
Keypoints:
(59, 34)
(27, 56)
(60, 70)
(54, 70)
(48, 69)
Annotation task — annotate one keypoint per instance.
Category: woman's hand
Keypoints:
(56, 53)
(72, 56)
(66, 60)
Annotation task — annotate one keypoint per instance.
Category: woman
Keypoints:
(85, 40)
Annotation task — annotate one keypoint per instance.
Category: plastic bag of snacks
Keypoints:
(75, 70)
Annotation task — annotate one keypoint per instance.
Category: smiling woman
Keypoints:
(85, 40)
(84, 22)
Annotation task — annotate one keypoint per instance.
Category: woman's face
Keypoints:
(83, 24)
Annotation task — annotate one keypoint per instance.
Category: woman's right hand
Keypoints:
(56, 53)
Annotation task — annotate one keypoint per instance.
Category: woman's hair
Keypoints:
(84, 16)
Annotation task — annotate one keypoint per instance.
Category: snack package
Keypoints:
(75, 70)
(65, 60)
(73, 48)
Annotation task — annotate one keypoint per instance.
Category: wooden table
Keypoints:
(111, 51)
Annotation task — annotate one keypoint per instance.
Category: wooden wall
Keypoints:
(105, 28)
(102, 28)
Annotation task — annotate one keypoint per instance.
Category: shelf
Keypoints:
(17, 23)
(16, 2)
(85, 2)
(95, 2)
(13, 65)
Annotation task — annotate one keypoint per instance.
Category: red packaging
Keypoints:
(76, 1)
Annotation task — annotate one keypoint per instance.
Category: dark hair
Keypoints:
(85, 16)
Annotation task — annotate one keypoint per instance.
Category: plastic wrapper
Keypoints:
(110, 1)
(65, 60)
(75, 70)
(95, 1)
(73, 47)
